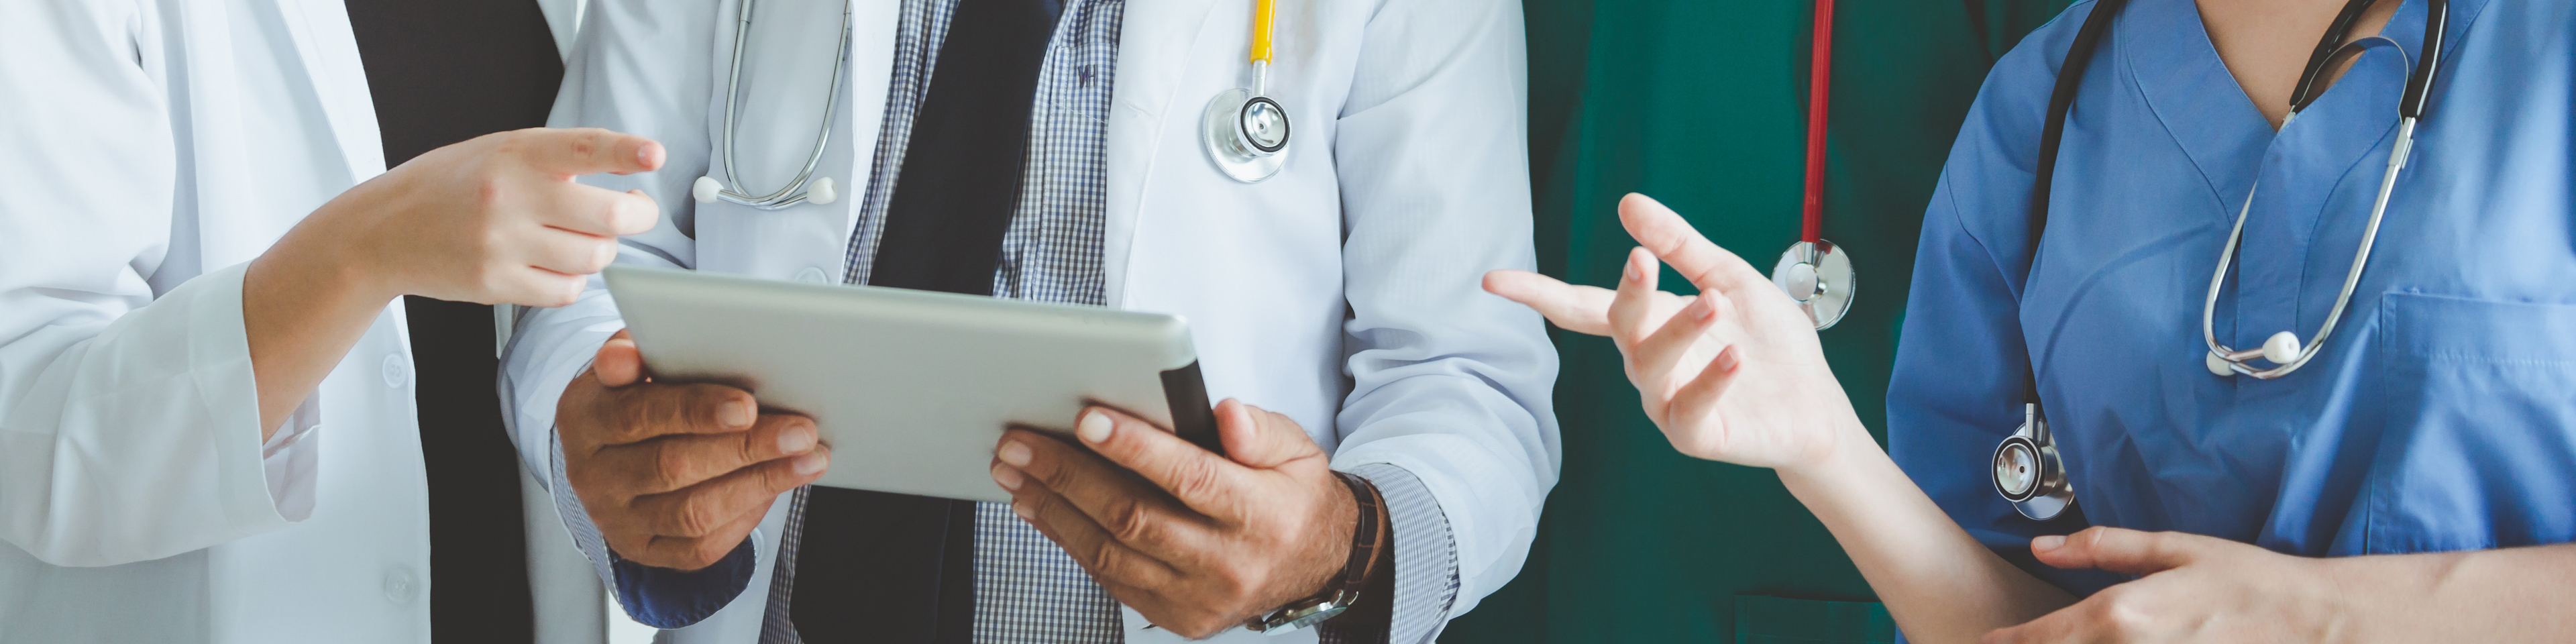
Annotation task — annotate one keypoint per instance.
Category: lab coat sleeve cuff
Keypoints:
(656, 597)
(219, 360)
(292, 460)
(1426, 563)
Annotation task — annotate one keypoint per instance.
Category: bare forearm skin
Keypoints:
(304, 304)
(1940, 584)
(2525, 594)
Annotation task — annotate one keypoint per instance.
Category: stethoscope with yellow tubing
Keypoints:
(1244, 130)
(2027, 468)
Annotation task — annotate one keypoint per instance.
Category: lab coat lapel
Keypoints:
(328, 50)
(209, 123)
(1156, 40)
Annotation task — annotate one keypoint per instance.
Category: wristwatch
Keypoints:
(1345, 591)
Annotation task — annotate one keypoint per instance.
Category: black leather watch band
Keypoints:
(1345, 589)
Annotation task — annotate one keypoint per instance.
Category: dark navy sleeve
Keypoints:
(668, 598)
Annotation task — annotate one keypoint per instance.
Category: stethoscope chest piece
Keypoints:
(2029, 472)
(1246, 135)
(1818, 275)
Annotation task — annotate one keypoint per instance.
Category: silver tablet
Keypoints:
(912, 389)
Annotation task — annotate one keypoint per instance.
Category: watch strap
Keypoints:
(1345, 588)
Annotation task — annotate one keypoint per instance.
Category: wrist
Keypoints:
(1846, 449)
(326, 255)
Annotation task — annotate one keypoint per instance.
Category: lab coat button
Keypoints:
(397, 370)
(812, 275)
(401, 586)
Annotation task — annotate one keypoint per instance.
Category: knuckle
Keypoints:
(710, 551)
(671, 466)
(490, 191)
(1196, 479)
(1129, 521)
(695, 517)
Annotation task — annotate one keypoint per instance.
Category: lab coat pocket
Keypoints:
(2478, 448)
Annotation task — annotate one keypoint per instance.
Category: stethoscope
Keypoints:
(804, 187)
(1245, 132)
(2028, 470)
(1816, 273)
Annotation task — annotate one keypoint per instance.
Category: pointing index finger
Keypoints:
(581, 151)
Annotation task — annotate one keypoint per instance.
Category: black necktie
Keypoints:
(879, 567)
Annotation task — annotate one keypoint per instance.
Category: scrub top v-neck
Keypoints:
(2438, 419)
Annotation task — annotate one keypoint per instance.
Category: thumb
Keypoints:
(2121, 550)
(619, 363)
(1259, 438)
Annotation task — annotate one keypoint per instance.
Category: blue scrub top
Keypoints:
(2440, 416)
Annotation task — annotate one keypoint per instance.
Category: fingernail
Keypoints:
(1094, 427)
(1007, 476)
(1021, 509)
(811, 463)
(734, 414)
(2047, 542)
(1015, 453)
(1702, 309)
(1729, 357)
(796, 439)
(1633, 272)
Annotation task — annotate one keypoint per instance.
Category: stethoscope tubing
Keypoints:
(2330, 49)
(823, 135)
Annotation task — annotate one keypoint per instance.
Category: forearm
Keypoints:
(2501, 595)
(304, 304)
(1940, 584)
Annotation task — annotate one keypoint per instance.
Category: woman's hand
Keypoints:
(495, 219)
(2193, 589)
(1734, 375)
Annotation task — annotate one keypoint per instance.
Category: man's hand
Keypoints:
(2194, 589)
(676, 475)
(1194, 541)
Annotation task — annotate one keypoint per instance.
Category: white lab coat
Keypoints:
(148, 148)
(1342, 292)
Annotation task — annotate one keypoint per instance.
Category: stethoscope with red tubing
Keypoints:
(1814, 272)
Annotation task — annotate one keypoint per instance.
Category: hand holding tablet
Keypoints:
(911, 390)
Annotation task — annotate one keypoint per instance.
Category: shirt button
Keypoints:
(401, 586)
(397, 370)
(812, 275)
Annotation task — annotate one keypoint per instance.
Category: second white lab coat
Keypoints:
(1342, 292)
(148, 149)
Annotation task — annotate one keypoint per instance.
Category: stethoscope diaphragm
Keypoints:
(1246, 136)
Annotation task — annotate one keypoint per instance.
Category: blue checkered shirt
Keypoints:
(1027, 590)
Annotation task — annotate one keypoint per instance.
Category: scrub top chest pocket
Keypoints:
(2478, 446)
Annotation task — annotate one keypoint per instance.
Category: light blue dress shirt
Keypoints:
(2440, 416)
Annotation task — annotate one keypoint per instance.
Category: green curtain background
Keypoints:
(1701, 104)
